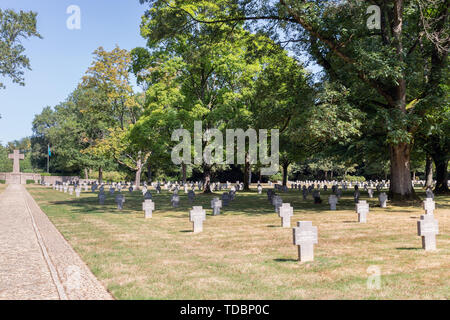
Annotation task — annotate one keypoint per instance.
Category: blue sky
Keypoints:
(60, 59)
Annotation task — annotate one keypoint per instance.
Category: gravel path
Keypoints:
(36, 262)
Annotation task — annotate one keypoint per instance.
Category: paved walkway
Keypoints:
(36, 262)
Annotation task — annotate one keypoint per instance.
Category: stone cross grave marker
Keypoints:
(120, 200)
(305, 236)
(191, 196)
(71, 190)
(101, 198)
(362, 208)
(370, 192)
(65, 188)
(356, 195)
(148, 206)
(332, 200)
(148, 195)
(429, 193)
(429, 206)
(16, 157)
(285, 213)
(216, 204)
(144, 191)
(305, 193)
(78, 192)
(382, 197)
(197, 215)
(316, 196)
(428, 228)
(277, 202)
(259, 189)
(225, 198)
(175, 199)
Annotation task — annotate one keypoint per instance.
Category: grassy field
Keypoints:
(2, 187)
(245, 254)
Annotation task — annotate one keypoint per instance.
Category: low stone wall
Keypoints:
(61, 179)
(19, 178)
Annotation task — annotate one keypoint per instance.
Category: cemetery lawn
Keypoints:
(2, 187)
(245, 254)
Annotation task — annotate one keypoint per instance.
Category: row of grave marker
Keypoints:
(304, 235)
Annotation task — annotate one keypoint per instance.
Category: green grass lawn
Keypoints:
(245, 254)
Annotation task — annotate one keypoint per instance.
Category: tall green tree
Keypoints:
(15, 26)
(404, 61)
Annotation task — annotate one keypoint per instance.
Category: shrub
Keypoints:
(2, 181)
(30, 181)
(354, 178)
(109, 176)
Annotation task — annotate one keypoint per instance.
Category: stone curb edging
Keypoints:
(74, 278)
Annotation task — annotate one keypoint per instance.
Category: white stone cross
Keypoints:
(148, 206)
(175, 200)
(101, 198)
(362, 208)
(277, 202)
(16, 157)
(332, 200)
(216, 204)
(120, 199)
(197, 215)
(429, 206)
(285, 213)
(382, 198)
(428, 228)
(78, 192)
(305, 236)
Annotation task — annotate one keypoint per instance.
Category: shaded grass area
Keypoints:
(245, 254)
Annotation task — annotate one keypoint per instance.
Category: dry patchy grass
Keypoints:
(245, 254)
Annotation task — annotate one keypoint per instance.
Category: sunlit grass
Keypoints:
(245, 254)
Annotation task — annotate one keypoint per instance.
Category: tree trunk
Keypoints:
(401, 186)
(285, 173)
(86, 175)
(441, 165)
(100, 175)
(183, 170)
(149, 173)
(206, 178)
(137, 181)
(428, 172)
(246, 173)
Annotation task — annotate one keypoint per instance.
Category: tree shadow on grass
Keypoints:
(408, 248)
(285, 260)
